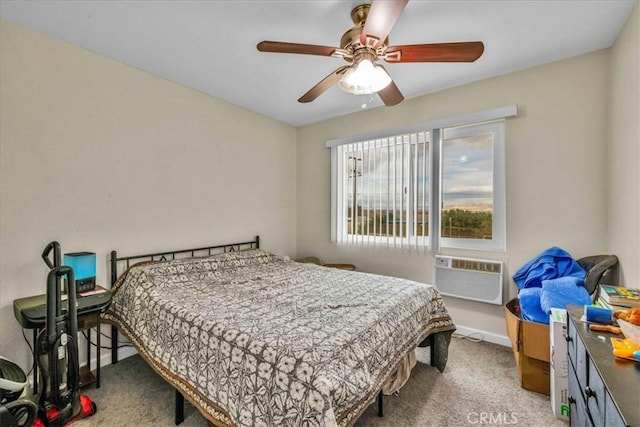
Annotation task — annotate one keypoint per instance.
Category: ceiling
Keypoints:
(210, 46)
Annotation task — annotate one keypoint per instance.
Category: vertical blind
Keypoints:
(383, 191)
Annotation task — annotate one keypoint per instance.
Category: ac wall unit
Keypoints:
(472, 279)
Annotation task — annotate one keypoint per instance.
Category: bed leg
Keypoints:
(439, 351)
(179, 408)
(433, 352)
(380, 404)
(114, 345)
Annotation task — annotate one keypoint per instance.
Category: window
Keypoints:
(432, 185)
(383, 192)
(472, 181)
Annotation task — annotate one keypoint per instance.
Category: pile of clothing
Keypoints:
(553, 279)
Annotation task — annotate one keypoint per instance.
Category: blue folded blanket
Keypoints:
(557, 293)
(536, 303)
(550, 264)
(530, 308)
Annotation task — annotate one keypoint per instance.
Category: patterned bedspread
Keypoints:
(252, 338)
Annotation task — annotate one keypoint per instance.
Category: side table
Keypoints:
(30, 312)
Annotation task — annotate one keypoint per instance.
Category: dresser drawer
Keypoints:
(612, 416)
(582, 361)
(577, 409)
(595, 394)
(571, 343)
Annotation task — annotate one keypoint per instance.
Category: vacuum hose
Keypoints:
(58, 346)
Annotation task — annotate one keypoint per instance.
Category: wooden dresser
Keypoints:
(603, 390)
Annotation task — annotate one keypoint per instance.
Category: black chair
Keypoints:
(600, 269)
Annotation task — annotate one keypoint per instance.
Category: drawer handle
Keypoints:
(589, 392)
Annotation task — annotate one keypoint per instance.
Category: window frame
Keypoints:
(498, 240)
(438, 131)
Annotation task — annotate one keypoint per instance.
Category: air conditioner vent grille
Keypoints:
(476, 265)
(472, 279)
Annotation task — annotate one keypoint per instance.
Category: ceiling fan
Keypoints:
(367, 42)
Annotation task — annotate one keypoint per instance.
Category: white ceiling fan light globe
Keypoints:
(365, 78)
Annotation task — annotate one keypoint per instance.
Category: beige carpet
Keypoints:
(478, 387)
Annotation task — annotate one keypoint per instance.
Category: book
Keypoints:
(619, 295)
(613, 307)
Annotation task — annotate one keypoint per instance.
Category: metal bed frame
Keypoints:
(438, 342)
(166, 256)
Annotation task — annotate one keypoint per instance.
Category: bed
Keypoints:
(250, 337)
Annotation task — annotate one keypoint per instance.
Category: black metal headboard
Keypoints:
(178, 254)
(165, 256)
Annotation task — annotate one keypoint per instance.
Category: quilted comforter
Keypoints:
(252, 338)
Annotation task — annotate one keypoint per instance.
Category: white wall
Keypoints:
(623, 141)
(101, 156)
(555, 172)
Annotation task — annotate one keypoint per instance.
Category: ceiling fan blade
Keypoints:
(391, 95)
(382, 15)
(286, 47)
(435, 52)
(324, 84)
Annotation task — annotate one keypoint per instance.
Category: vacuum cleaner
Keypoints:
(56, 352)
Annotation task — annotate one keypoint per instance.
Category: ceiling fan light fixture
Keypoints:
(365, 78)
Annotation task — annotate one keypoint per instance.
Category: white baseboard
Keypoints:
(483, 335)
(105, 360)
(105, 356)
(127, 352)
